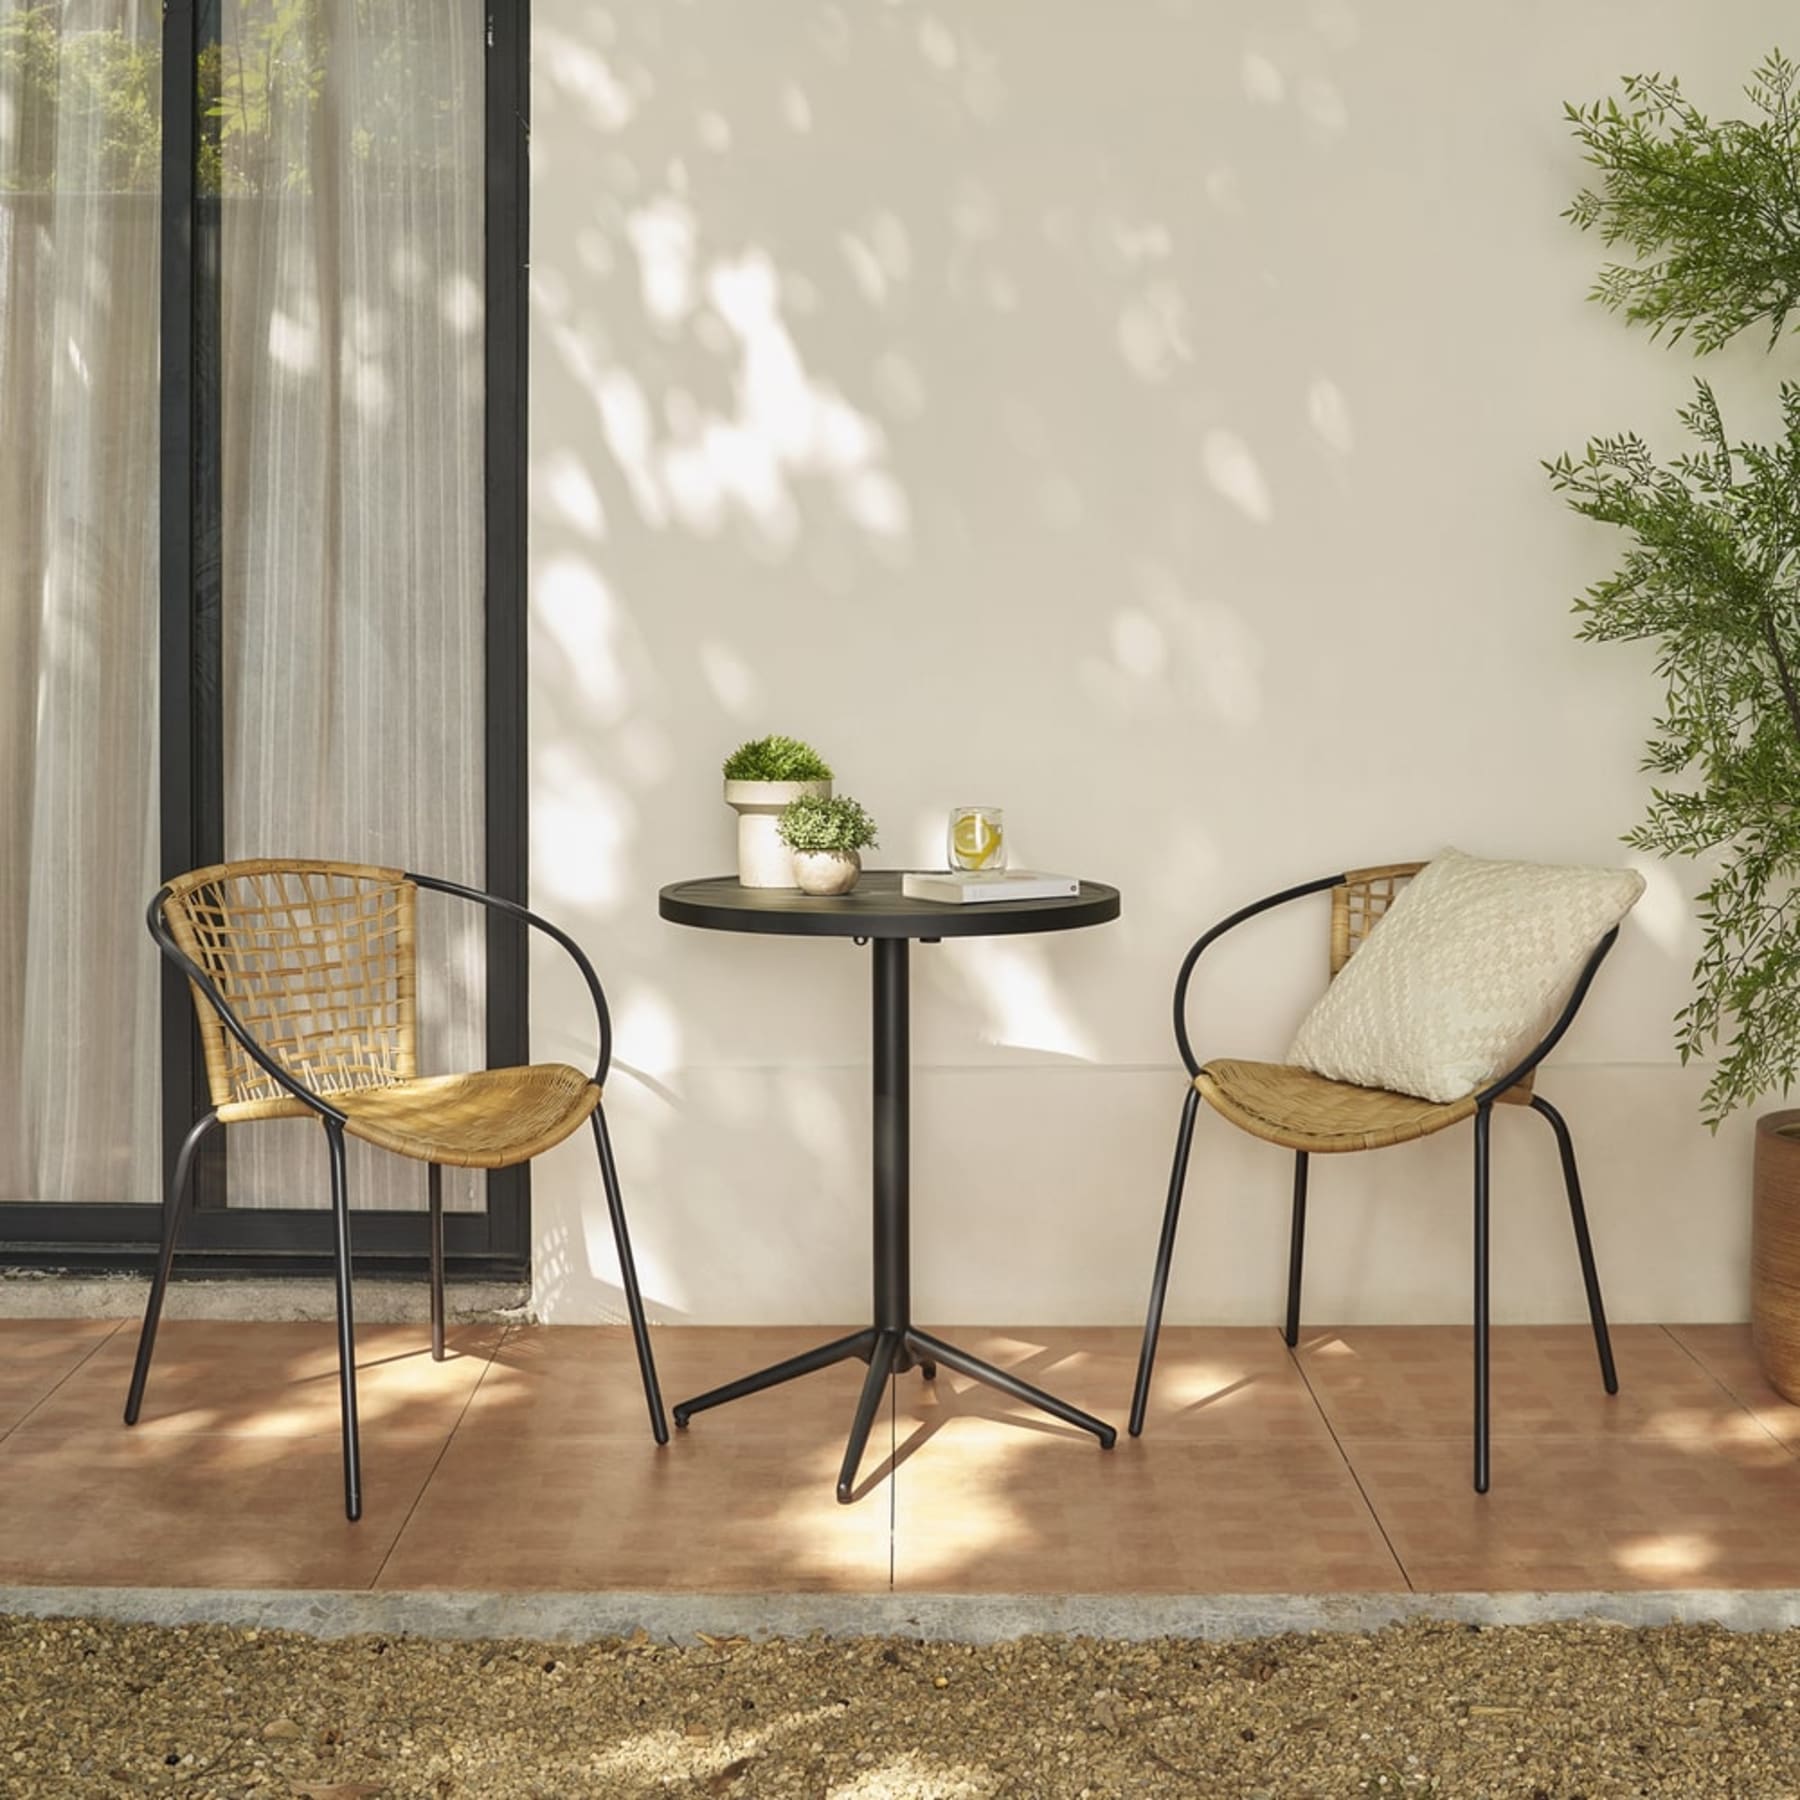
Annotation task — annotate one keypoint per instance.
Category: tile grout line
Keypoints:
(1736, 1400)
(437, 1462)
(74, 1369)
(1293, 1356)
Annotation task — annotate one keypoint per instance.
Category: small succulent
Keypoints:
(812, 823)
(776, 758)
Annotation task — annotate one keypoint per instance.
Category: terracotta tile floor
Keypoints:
(523, 1462)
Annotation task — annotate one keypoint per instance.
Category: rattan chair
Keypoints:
(304, 979)
(1306, 1113)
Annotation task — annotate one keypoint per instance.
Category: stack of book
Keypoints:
(963, 887)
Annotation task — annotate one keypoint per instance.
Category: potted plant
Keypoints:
(1711, 577)
(761, 777)
(825, 837)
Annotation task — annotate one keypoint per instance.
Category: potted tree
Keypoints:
(761, 777)
(826, 837)
(1711, 576)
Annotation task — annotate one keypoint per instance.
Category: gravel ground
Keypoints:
(1547, 1712)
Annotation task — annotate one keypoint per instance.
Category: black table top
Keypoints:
(876, 908)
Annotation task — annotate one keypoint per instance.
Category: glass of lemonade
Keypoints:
(977, 838)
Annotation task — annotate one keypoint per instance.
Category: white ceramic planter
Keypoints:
(764, 861)
(826, 871)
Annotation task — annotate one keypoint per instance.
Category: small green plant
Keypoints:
(776, 758)
(813, 823)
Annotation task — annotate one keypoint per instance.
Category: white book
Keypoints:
(965, 886)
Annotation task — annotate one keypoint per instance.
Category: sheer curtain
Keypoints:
(350, 168)
(79, 173)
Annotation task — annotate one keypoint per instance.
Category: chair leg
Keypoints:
(634, 1299)
(1483, 1120)
(173, 1212)
(1296, 1250)
(1584, 1245)
(1165, 1251)
(434, 1192)
(346, 1324)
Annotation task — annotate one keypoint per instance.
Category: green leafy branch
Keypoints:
(1711, 577)
(1711, 570)
(1710, 208)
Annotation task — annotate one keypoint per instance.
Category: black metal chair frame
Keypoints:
(334, 1121)
(1484, 1104)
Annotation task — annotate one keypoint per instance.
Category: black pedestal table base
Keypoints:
(892, 1344)
(890, 1353)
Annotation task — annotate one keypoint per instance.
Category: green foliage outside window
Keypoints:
(1709, 212)
(272, 68)
(96, 89)
(259, 96)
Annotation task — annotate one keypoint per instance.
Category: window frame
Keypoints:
(218, 1240)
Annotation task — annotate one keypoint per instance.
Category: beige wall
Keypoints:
(1129, 414)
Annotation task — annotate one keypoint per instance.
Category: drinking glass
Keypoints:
(977, 838)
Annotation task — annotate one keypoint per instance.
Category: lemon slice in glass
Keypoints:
(977, 839)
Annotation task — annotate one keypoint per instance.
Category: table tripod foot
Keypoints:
(858, 1343)
(929, 1349)
(881, 1366)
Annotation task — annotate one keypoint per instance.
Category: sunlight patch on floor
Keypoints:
(1671, 1556)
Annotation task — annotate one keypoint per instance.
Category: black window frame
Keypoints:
(218, 1240)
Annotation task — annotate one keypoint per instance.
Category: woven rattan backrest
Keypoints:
(317, 961)
(1358, 902)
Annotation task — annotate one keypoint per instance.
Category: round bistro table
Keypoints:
(879, 914)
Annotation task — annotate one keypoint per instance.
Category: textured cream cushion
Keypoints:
(1463, 975)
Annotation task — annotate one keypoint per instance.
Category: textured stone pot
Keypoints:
(764, 861)
(1775, 1252)
(826, 871)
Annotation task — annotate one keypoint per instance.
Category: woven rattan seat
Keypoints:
(490, 1119)
(304, 976)
(1303, 1112)
(1299, 1110)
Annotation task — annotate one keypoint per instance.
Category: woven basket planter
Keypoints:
(1775, 1252)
